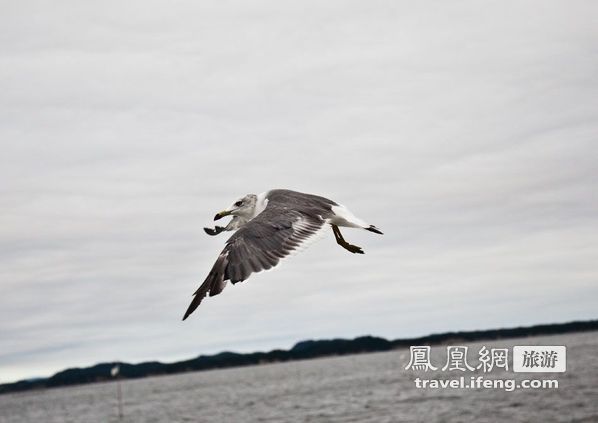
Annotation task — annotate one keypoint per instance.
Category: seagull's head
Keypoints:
(244, 207)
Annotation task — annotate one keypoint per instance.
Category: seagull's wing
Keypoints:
(260, 245)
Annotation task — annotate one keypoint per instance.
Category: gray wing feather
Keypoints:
(263, 241)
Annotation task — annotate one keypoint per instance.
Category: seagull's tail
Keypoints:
(213, 285)
(342, 216)
(374, 229)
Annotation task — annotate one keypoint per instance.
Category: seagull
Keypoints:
(269, 227)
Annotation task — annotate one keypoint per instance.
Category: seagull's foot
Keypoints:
(352, 248)
(341, 241)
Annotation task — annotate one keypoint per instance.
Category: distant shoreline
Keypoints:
(300, 351)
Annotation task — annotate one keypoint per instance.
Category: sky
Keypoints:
(465, 130)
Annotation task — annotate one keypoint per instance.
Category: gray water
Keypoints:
(359, 388)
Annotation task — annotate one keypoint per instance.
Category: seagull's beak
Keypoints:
(221, 214)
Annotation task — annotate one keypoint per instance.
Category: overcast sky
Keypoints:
(466, 131)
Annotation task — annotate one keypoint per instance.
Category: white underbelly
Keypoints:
(343, 217)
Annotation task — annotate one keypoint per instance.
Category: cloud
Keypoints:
(465, 132)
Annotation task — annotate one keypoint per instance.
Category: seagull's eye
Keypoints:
(238, 204)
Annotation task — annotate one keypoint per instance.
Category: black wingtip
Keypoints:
(374, 229)
(213, 232)
(213, 285)
(194, 304)
(191, 308)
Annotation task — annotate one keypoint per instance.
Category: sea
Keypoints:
(372, 387)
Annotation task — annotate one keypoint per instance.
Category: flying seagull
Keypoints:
(269, 227)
